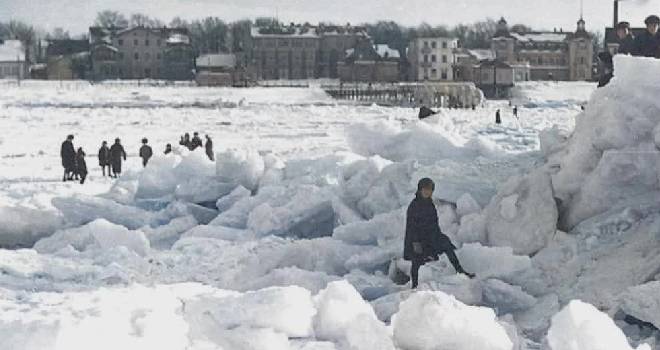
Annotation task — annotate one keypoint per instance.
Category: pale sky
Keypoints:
(77, 15)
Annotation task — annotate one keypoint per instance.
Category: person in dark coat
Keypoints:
(625, 38)
(81, 165)
(68, 154)
(498, 117)
(424, 241)
(104, 157)
(425, 112)
(116, 154)
(185, 141)
(196, 142)
(515, 111)
(168, 149)
(607, 72)
(647, 44)
(209, 147)
(145, 152)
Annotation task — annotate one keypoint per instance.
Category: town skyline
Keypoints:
(76, 15)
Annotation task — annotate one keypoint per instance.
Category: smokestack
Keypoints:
(616, 13)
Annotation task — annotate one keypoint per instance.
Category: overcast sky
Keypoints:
(77, 15)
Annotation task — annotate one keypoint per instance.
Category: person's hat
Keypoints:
(623, 25)
(69, 137)
(117, 139)
(144, 140)
(425, 183)
(652, 19)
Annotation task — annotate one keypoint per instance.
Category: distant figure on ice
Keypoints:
(648, 43)
(185, 141)
(168, 148)
(68, 154)
(209, 147)
(145, 152)
(116, 154)
(81, 165)
(625, 38)
(424, 241)
(196, 142)
(498, 117)
(425, 112)
(515, 111)
(104, 157)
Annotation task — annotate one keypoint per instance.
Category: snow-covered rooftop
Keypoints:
(296, 32)
(480, 54)
(11, 51)
(385, 51)
(540, 37)
(178, 38)
(216, 60)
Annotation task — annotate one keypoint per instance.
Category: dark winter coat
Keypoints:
(116, 154)
(196, 142)
(425, 112)
(646, 45)
(68, 154)
(209, 148)
(81, 165)
(498, 118)
(627, 45)
(146, 152)
(422, 226)
(104, 156)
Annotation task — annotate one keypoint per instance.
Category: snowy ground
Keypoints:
(292, 238)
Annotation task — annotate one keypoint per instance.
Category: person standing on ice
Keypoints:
(145, 152)
(498, 117)
(209, 147)
(104, 157)
(168, 149)
(647, 44)
(81, 165)
(196, 142)
(424, 241)
(185, 141)
(515, 111)
(68, 154)
(116, 154)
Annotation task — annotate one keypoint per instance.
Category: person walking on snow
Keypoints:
(104, 157)
(498, 117)
(424, 241)
(209, 147)
(168, 149)
(81, 165)
(116, 154)
(145, 152)
(68, 154)
(515, 111)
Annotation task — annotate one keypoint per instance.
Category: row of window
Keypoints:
(136, 56)
(434, 58)
(136, 42)
(118, 71)
(9, 70)
(434, 44)
(289, 43)
(434, 73)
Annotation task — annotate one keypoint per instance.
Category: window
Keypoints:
(283, 43)
(121, 55)
(581, 60)
(136, 56)
(444, 44)
(434, 72)
(147, 56)
(426, 58)
(120, 42)
(426, 44)
(444, 58)
(135, 42)
(443, 74)
(434, 44)
(433, 58)
(146, 42)
(158, 42)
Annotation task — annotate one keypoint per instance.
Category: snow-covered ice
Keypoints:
(292, 238)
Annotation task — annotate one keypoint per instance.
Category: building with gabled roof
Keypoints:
(555, 55)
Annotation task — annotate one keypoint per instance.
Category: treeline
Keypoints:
(212, 34)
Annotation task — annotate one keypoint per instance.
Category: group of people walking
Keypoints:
(111, 158)
(645, 44)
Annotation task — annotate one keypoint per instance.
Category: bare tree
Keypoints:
(25, 33)
(142, 20)
(109, 18)
(58, 34)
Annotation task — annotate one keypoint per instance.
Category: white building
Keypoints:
(431, 59)
(12, 60)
